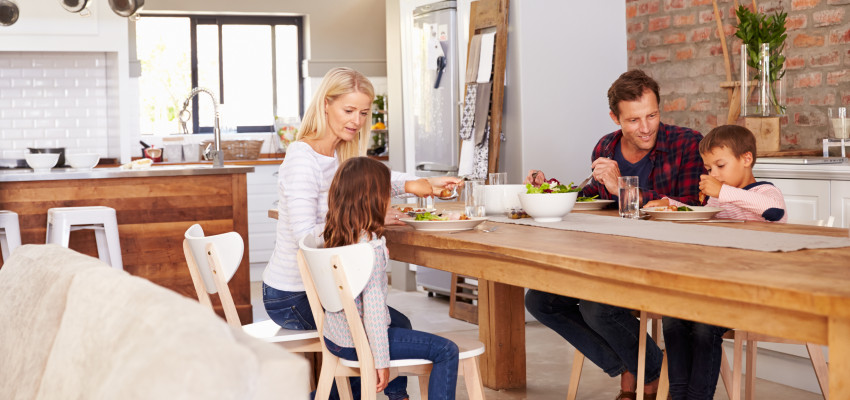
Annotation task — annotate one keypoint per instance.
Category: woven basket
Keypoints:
(237, 149)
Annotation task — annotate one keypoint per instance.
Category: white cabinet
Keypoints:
(805, 200)
(262, 193)
(840, 203)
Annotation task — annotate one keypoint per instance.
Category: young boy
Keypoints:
(694, 348)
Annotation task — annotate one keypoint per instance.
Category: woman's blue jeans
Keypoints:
(606, 335)
(291, 310)
(407, 343)
(693, 354)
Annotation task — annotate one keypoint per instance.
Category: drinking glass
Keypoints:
(839, 122)
(473, 198)
(498, 178)
(425, 202)
(629, 196)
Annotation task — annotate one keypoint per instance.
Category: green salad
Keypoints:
(551, 186)
(683, 208)
(427, 216)
(585, 199)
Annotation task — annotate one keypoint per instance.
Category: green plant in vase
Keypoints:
(756, 30)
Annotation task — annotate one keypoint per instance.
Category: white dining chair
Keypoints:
(212, 261)
(333, 278)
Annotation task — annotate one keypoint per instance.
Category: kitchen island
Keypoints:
(154, 208)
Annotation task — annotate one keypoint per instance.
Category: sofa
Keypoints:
(71, 327)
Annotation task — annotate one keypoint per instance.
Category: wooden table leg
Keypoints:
(501, 327)
(839, 358)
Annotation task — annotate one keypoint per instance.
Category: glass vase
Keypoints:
(762, 92)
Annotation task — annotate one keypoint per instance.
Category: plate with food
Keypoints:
(446, 222)
(591, 203)
(414, 211)
(683, 213)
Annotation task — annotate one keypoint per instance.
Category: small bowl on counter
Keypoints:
(82, 161)
(41, 162)
(50, 150)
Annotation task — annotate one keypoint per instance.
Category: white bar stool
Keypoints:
(62, 220)
(10, 233)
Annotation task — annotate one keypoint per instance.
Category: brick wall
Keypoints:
(676, 42)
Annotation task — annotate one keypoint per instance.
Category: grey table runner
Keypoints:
(686, 233)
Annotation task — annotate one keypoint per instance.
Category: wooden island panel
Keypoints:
(153, 214)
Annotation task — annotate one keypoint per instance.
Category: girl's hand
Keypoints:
(393, 216)
(383, 379)
(419, 187)
(535, 177)
(710, 186)
(438, 183)
(658, 203)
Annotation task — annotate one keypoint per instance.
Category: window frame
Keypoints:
(219, 21)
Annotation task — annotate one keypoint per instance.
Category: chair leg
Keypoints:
(737, 363)
(664, 380)
(641, 375)
(575, 375)
(343, 386)
(819, 365)
(326, 376)
(726, 374)
(423, 386)
(750, 389)
(472, 378)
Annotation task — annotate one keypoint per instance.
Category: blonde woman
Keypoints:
(335, 128)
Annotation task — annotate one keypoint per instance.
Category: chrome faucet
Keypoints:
(216, 154)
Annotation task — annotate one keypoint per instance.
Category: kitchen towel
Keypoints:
(687, 233)
(485, 62)
(467, 118)
(482, 111)
(472, 62)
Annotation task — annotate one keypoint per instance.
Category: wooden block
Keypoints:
(766, 130)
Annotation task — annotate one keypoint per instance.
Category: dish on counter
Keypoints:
(697, 213)
(595, 204)
(449, 225)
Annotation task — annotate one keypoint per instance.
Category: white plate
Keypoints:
(456, 225)
(595, 204)
(698, 213)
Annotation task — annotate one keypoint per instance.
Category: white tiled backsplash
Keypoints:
(53, 99)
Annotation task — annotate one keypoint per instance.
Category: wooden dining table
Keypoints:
(802, 295)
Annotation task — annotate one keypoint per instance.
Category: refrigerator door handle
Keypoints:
(435, 167)
(441, 65)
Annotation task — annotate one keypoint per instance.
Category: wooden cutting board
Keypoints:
(791, 153)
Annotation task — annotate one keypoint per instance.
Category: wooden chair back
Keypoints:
(213, 260)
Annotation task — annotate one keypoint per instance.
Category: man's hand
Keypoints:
(383, 379)
(606, 171)
(658, 203)
(438, 183)
(709, 186)
(420, 187)
(392, 217)
(535, 177)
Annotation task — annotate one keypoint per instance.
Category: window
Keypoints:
(253, 64)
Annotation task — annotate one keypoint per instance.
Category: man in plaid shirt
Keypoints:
(667, 162)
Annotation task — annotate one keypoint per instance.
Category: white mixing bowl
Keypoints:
(82, 160)
(548, 207)
(41, 162)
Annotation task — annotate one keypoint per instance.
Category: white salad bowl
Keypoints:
(41, 162)
(548, 207)
(82, 161)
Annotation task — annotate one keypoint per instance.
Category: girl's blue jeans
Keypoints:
(291, 310)
(406, 344)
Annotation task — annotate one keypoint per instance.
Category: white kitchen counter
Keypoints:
(23, 175)
(836, 172)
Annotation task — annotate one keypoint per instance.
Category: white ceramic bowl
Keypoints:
(548, 207)
(82, 160)
(41, 162)
(500, 198)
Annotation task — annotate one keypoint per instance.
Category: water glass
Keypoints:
(498, 178)
(473, 198)
(425, 202)
(629, 196)
(839, 121)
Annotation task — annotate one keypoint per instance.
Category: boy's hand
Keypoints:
(420, 187)
(657, 203)
(710, 186)
(383, 379)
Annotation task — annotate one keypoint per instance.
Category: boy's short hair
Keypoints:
(736, 138)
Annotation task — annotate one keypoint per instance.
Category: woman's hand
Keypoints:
(383, 379)
(393, 216)
(658, 203)
(710, 186)
(535, 177)
(439, 183)
(606, 171)
(420, 187)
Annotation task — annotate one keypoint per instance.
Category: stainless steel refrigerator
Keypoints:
(434, 98)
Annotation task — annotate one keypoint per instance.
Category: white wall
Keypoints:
(562, 57)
